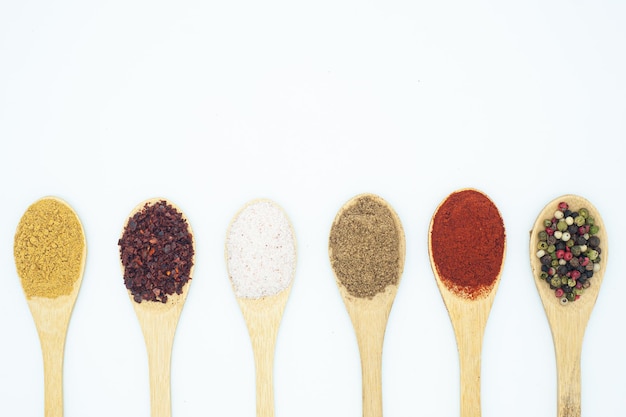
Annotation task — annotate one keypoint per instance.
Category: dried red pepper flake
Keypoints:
(156, 251)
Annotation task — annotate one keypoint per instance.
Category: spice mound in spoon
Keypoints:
(49, 249)
(569, 251)
(260, 250)
(156, 250)
(365, 247)
(467, 243)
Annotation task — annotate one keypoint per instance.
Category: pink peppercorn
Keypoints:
(584, 261)
(563, 205)
(577, 297)
(549, 231)
(560, 254)
(568, 256)
(558, 292)
(575, 274)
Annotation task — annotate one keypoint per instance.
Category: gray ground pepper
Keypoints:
(364, 247)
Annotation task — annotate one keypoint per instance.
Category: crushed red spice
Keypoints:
(467, 243)
(156, 250)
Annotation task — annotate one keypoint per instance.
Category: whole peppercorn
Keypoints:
(569, 252)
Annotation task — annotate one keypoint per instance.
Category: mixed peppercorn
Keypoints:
(569, 252)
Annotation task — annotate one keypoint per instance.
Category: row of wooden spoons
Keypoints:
(369, 316)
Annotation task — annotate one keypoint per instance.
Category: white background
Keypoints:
(213, 103)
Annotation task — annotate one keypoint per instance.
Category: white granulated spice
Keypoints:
(260, 250)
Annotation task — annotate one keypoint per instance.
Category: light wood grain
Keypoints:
(263, 317)
(158, 323)
(52, 317)
(369, 318)
(469, 320)
(568, 323)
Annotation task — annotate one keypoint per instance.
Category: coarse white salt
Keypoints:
(260, 250)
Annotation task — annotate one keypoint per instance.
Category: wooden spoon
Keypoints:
(568, 322)
(469, 319)
(158, 323)
(369, 315)
(52, 316)
(260, 253)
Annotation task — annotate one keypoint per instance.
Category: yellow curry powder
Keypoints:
(49, 249)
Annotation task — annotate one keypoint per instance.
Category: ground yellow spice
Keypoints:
(49, 249)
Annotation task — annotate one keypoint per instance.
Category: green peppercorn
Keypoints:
(571, 296)
(551, 248)
(561, 225)
(555, 282)
(579, 220)
(584, 213)
(542, 245)
(575, 251)
(594, 230)
(570, 243)
(590, 221)
(547, 223)
(563, 280)
(543, 275)
(591, 254)
(571, 282)
(543, 236)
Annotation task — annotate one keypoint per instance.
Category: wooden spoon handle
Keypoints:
(568, 377)
(263, 347)
(53, 346)
(469, 361)
(469, 322)
(370, 349)
(159, 364)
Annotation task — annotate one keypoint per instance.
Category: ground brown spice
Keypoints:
(49, 249)
(364, 247)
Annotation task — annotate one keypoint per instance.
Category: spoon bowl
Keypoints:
(52, 316)
(568, 322)
(158, 323)
(469, 318)
(369, 313)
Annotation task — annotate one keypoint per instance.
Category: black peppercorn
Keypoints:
(594, 242)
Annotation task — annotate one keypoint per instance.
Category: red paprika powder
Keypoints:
(467, 243)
